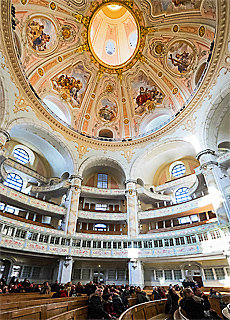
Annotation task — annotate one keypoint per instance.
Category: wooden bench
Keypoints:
(9, 297)
(146, 311)
(215, 304)
(43, 311)
(81, 313)
(25, 304)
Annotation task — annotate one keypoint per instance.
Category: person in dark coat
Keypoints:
(156, 295)
(141, 296)
(108, 305)
(118, 304)
(90, 288)
(55, 287)
(207, 306)
(172, 302)
(193, 305)
(96, 310)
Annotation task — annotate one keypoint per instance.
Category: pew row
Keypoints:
(30, 303)
(81, 313)
(146, 311)
(44, 311)
(9, 297)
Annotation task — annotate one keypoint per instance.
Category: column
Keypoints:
(217, 181)
(132, 208)
(72, 205)
(65, 269)
(136, 273)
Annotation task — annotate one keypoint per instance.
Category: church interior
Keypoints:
(115, 141)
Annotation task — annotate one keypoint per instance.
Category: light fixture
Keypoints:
(67, 261)
(133, 263)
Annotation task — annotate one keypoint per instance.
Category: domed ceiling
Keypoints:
(115, 69)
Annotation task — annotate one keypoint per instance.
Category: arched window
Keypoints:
(133, 39)
(21, 155)
(14, 181)
(102, 181)
(178, 170)
(182, 195)
(110, 48)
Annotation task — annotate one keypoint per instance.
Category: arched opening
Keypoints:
(140, 182)
(65, 176)
(224, 145)
(106, 133)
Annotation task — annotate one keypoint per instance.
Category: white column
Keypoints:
(136, 273)
(73, 204)
(132, 208)
(65, 269)
(217, 181)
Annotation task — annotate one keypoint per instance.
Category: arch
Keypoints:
(30, 153)
(52, 147)
(106, 133)
(58, 107)
(14, 181)
(182, 194)
(157, 118)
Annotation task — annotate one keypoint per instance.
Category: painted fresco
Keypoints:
(71, 84)
(180, 57)
(108, 110)
(41, 34)
(171, 6)
(146, 95)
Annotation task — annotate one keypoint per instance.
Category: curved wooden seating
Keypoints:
(81, 313)
(44, 311)
(9, 297)
(25, 303)
(146, 311)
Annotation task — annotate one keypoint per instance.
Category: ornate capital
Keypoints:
(203, 152)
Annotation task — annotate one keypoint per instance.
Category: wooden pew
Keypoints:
(25, 304)
(146, 311)
(9, 297)
(215, 304)
(44, 311)
(81, 313)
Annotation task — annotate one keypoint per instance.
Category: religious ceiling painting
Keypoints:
(107, 111)
(146, 94)
(180, 57)
(71, 84)
(171, 6)
(41, 34)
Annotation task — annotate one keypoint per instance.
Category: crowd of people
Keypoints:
(110, 301)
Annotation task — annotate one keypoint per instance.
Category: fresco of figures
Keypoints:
(170, 6)
(180, 57)
(146, 95)
(108, 110)
(41, 34)
(72, 84)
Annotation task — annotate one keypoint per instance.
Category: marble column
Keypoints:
(217, 181)
(72, 205)
(65, 269)
(136, 273)
(132, 208)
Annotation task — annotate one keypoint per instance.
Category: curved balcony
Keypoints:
(206, 239)
(57, 189)
(202, 203)
(101, 193)
(224, 159)
(29, 203)
(189, 179)
(102, 215)
(146, 195)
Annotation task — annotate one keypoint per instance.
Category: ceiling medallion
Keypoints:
(123, 26)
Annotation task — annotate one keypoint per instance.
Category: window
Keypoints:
(26, 272)
(100, 227)
(159, 274)
(85, 274)
(96, 244)
(36, 272)
(101, 206)
(110, 48)
(111, 274)
(76, 273)
(21, 156)
(180, 241)
(178, 170)
(177, 274)
(158, 243)
(182, 195)
(14, 181)
(102, 181)
(48, 273)
(220, 273)
(20, 234)
(8, 231)
(120, 274)
(194, 218)
(76, 243)
(191, 239)
(208, 274)
(215, 234)
(168, 274)
(184, 220)
(86, 244)
(133, 40)
(203, 237)
(148, 244)
(169, 242)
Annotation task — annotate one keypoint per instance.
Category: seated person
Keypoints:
(217, 295)
(207, 307)
(172, 302)
(118, 305)
(156, 295)
(141, 296)
(96, 310)
(108, 305)
(193, 305)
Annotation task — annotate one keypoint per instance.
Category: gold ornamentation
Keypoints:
(201, 31)
(160, 74)
(82, 19)
(93, 95)
(40, 72)
(109, 88)
(126, 121)
(84, 47)
(128, 154)
(52, 6)
(66, 33)
(123, 100)
(60, 59)
(129, 3)
(101, 72)
(147, 30)
(23, 2)
(20, 104)
(130, 191)
(175, 90)
(87, 116)
(64, 96)
(119, 74)
(81, 150)
(158, 49)
(190, 125)
(139, 56)
(175, 28)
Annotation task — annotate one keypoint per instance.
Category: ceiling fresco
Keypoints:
(114, 66)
